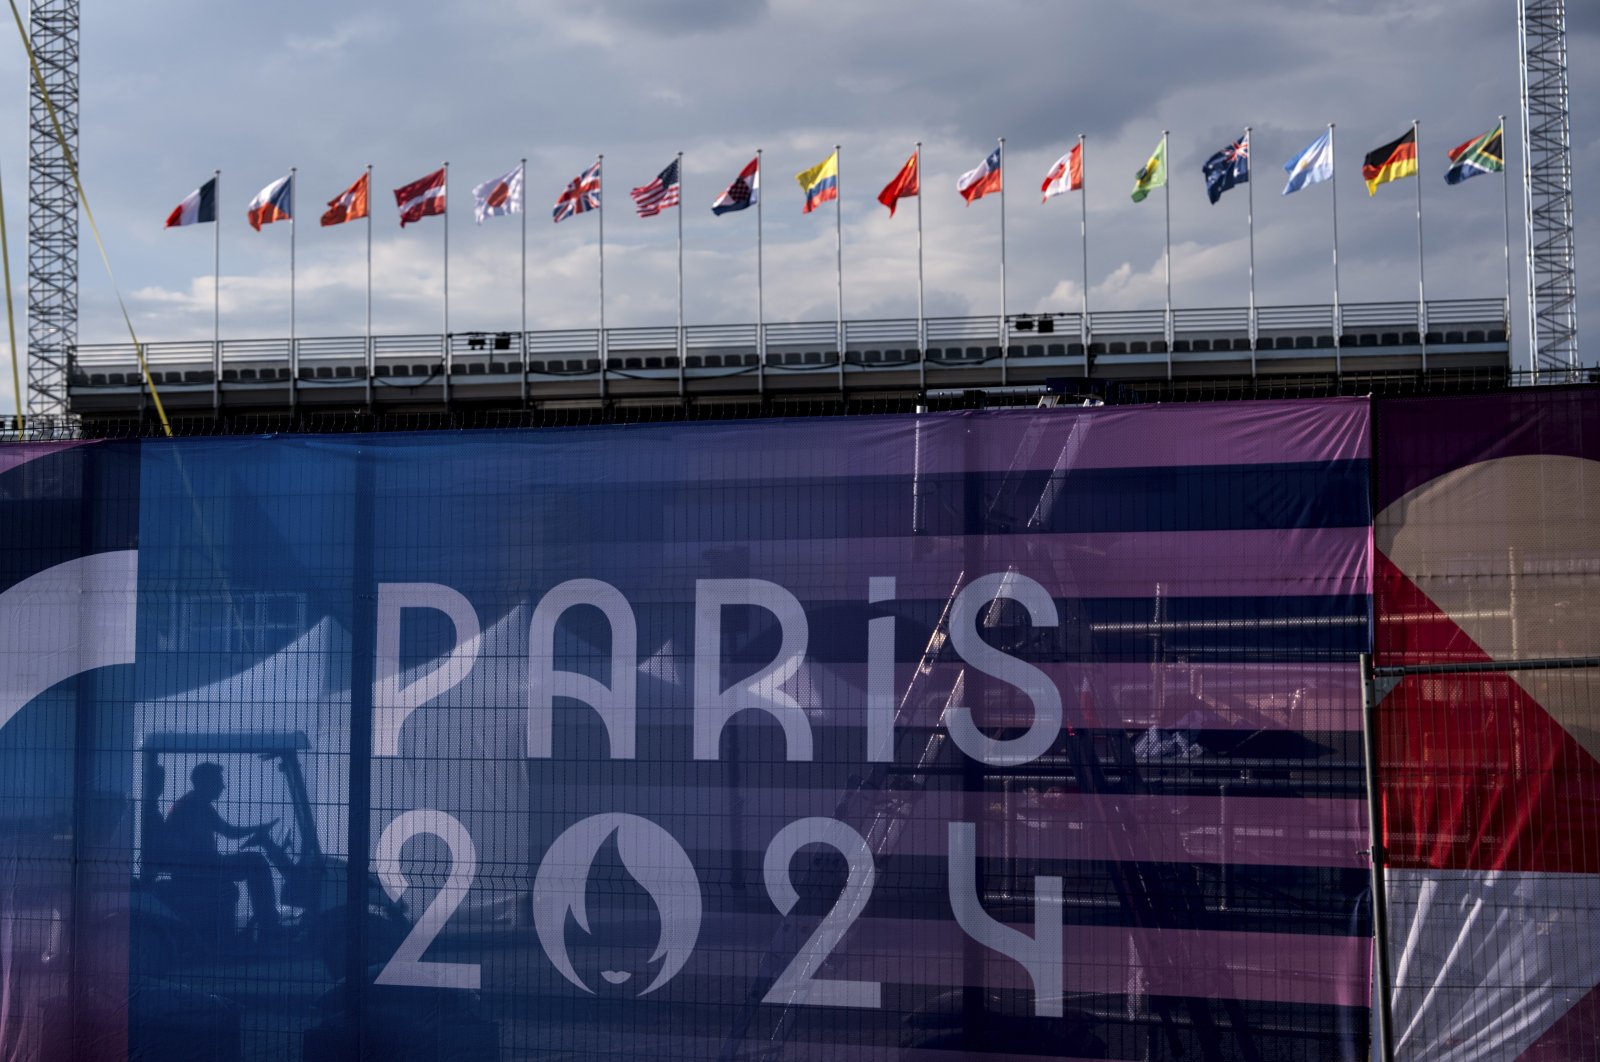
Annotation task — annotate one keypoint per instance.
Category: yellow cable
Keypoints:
(72, 165)
(11, 315)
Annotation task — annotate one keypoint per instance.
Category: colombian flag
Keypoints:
(1394, 160)
(820, 182)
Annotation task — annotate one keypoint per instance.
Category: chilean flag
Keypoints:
(421, 197)
(975, 184)
(275, 202)
(198, 207)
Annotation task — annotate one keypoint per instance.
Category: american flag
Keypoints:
(582, 194)
(659, 194)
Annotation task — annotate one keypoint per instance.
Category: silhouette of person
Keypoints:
(192, 827)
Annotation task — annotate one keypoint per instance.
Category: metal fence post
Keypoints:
(1383, 983)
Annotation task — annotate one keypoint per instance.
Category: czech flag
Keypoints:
(275, 202)
(198, 207)
(975, 184)
(821, 182)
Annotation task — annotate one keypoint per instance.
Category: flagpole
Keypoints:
(447, 256)
(1166, 188)
(370, 358)
(1505, 183)
(922, 320)
(838, 254)
(522, 339)
(292, 227)
(1422, 287)
(683, 346)
(1005, 336)
(1333, 198)
(599, 161)
(1083, 239)
(761, 332)
(216, 265)
(1250, 222)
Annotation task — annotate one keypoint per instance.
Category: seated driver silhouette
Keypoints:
(192, 828)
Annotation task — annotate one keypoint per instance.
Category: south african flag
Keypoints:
(1484, 154)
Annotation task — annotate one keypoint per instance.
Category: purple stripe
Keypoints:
(1280, 697)
(1261, 563)
(1053, 825)
(1223, 433)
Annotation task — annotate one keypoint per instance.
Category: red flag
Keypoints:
(904, 183)
(349, 204)
(421, 198)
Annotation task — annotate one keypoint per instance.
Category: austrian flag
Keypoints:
(421, 197)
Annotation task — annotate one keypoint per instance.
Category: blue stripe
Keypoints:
(816, 191)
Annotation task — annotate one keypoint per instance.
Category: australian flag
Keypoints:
(1228, 167)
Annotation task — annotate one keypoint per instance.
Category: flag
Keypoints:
(421, 197)
(275, 202)
(501, 196)
(905, 183)
(985, 178)
(1065, 176)
(349, 204)
(820, 182)
(743, 192)
(661, 193)
(582, 195)
(1484, 154)
(1228, 167)
(1314, 164)
(1152, 175)
(197, 208)
(1393, 161)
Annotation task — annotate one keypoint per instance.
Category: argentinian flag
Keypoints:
(1314, 164)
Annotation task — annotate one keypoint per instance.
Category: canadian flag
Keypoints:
(422, 197)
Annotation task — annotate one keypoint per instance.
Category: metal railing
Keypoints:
(1077, 340)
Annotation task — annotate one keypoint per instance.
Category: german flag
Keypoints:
(1396, 159)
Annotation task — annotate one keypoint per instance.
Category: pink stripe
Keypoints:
(14, 455)
(1294, 697)
(1263, 563)
(1222, 433)
(1042, 821)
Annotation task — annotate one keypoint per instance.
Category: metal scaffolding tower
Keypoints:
(52, 207)
(1547, 186)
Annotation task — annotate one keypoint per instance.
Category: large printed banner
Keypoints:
(996, 736)
(1488, 550)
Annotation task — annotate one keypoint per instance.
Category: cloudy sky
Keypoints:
(172, 89)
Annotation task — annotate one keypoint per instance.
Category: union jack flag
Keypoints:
(581, 195)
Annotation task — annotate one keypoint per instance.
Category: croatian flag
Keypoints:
(421, 197)
(745, 190)
(275, 202)
(198, 207)
(975, 184)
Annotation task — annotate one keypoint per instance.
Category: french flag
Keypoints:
(198, 207)
(975, 184)
(275, 202)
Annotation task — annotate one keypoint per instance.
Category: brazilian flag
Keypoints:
(1152, 174)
